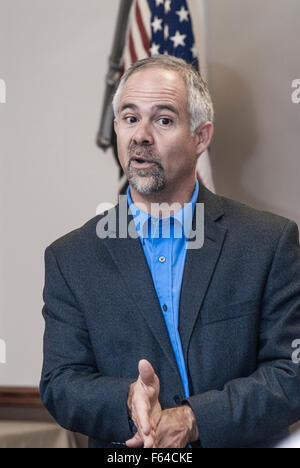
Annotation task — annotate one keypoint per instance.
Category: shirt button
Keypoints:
(177, 400)
(162, 259)
(165, 308)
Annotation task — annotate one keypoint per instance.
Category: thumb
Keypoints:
(147, 373)
(135, 442)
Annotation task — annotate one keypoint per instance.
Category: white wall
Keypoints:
(53, 57)
(253, 51)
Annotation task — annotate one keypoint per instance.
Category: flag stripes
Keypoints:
(158, 27)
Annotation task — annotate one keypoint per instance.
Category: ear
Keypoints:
(204, 134)
(116, 126)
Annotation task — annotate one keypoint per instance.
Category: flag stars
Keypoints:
(178, 39)
(194, 51)
(166, 32)
(159, 2)
(154, 49)
(167, 6)
(157, 24)
(183, 14)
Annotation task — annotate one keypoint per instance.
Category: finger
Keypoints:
(147, 373)
(141, 417)
(135, 442)
(149, 441)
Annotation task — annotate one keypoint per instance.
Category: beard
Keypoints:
(149, 180)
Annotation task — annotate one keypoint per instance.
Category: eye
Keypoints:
(165, 121)
(131, 119)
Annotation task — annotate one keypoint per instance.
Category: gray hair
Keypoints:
(200, 106)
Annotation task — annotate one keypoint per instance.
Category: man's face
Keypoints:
(155, 146)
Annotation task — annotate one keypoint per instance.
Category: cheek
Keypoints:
(180, 152)
(122, 153)
(122, 143)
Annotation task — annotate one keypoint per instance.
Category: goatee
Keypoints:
(148, 180)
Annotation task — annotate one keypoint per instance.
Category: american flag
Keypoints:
(158, 27)
(164, 27)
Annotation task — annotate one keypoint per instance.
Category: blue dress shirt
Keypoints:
(164, 243)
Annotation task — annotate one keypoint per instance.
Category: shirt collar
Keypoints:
(180, 222)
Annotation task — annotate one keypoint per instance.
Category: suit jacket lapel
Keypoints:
(128, 255)
(200, 265)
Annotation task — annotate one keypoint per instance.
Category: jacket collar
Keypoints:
(128, 256)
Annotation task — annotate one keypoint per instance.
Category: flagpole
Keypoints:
(104, 136)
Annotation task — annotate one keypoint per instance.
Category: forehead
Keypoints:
(155, 86)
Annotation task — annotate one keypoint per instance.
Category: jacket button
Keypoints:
(177, 400)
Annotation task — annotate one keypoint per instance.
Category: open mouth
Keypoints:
(141, 163)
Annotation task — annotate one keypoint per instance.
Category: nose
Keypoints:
(143, 134)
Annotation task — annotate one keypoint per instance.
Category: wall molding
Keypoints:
(20, 396)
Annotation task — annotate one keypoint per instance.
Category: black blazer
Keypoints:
(239, 316)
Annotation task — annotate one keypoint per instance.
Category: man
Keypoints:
(150, 341)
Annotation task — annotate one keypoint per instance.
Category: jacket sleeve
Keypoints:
(249, 410)
(73, 391)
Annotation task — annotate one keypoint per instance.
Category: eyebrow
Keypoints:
(166, 107)
(158, 107)
(128, 106)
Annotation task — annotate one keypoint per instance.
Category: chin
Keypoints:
(146, 186)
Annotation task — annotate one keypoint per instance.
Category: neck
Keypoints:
(170, 201)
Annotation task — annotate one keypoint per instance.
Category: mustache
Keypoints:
(145, 153)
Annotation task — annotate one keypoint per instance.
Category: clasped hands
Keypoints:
(157, 428)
